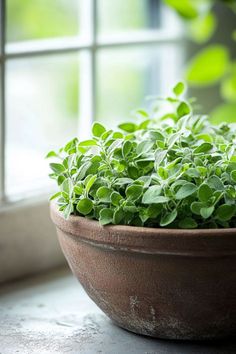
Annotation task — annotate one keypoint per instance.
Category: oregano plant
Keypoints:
(168, 168)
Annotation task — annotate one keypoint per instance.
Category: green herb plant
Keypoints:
(170, 168)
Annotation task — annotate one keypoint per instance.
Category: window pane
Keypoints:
(127, 76)
(37, 19)
(119, 16)
(42, 114)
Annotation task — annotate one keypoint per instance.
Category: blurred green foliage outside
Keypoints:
(212, 65)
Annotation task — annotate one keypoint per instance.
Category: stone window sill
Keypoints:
(52, 314)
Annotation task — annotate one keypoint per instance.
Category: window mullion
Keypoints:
(94, 58)
(2, 99)
(88, 78)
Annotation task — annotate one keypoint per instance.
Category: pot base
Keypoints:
(176, 336)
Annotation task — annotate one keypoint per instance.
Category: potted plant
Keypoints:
(165, 186)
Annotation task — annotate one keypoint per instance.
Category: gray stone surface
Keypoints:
(52, 314)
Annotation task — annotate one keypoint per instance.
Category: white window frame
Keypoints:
(2, 100)
(57, 46)
(17, 218)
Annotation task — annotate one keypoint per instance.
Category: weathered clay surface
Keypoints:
(50, 314)
(178, 284)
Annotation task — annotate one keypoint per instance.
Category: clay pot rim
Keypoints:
(141, 229)
(201, 242)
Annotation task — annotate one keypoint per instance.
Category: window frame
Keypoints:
(2, 100)
(92, 45)
(27, 237)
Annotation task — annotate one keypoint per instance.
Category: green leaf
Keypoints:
(88, 142)
(124, 181)
(206, 137)
(188, 223)
(193, 172)
(161, 199)
(154, 210)
(143, 214)
(51, 154)
(128, 127)
(67, 186)
(144, 124)
(231, 167)
(159, 157)
(116, 198)
(113, 146)
(106, 135)
(150, 212)
(106, 216)
(204, 193)
(233, 175)
(127, 147)
(129, 206)
(117, 135)
(215, 183)
(57, 168)
(118, 216)
(90, 182)
(183, 109)
(84, 206)
(144, 147)
(56, 195)
(68, 210)
(134, 192)
(206, 212)
(225, 212)
(202, 28)
(196, 207)
(168, 218)
(186, 190)
(204, 147)
(136, 221)
(133, 172)
(65, 196)
(208, 66)
(142, 113)
(78, 189)
(151, 196)
(173, 139)
(104, 194)
(98, 129)
(70, 147)
(82, 170)
(60, 180)
(179, 88)
(185, 8)
(224, 113)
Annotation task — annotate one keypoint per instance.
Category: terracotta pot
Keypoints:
(167, 283)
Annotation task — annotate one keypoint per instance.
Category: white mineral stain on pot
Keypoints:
(133, 300)
(153, 313)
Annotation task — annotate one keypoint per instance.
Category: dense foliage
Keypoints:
(169, 169)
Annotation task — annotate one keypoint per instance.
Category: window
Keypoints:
(67, 63)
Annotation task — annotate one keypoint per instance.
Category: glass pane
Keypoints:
(127, 76)
(119, 16)
(41, 113)
(38, 19)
